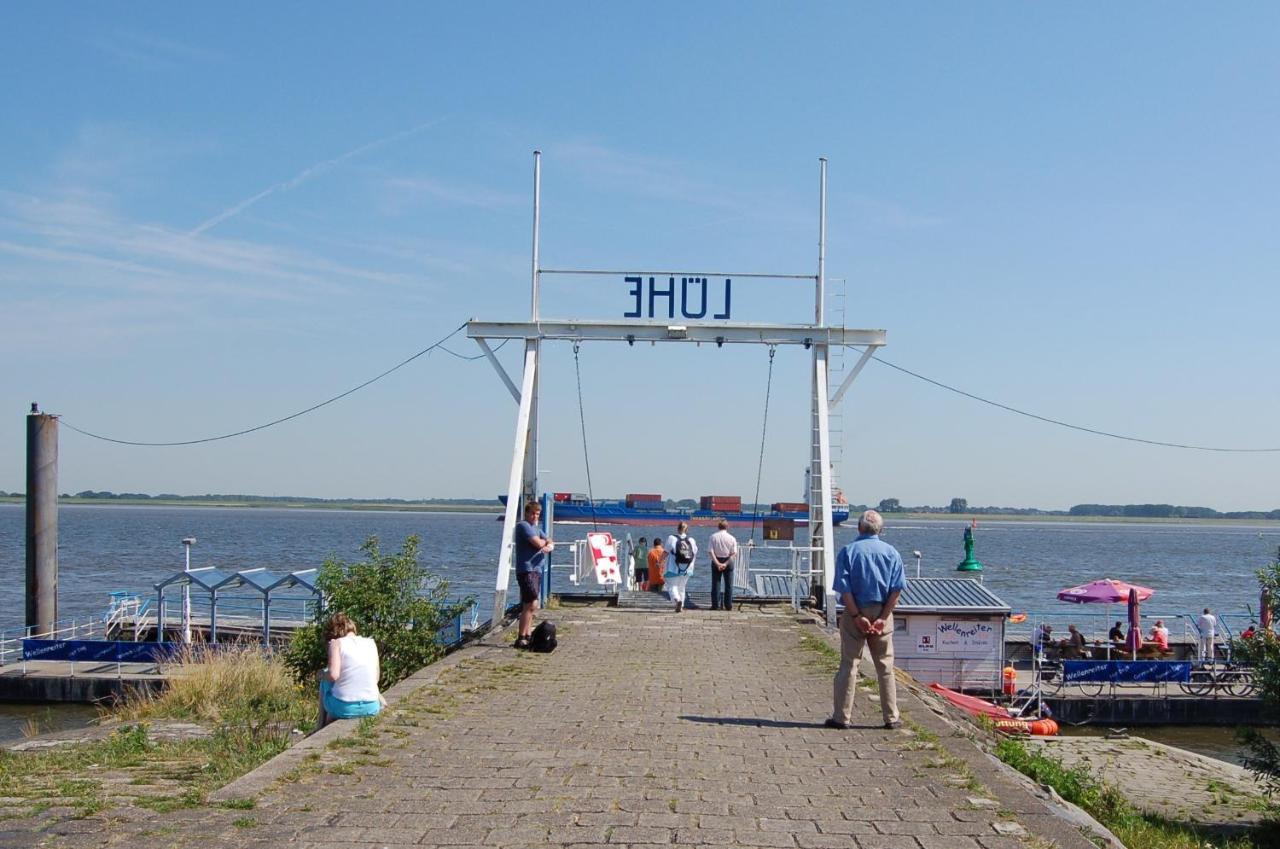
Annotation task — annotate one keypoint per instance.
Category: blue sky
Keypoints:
(213, 217)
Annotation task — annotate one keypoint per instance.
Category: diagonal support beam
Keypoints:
(515, 479)
(849, 378)
(497, 366)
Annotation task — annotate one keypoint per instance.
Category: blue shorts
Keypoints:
(339, 709)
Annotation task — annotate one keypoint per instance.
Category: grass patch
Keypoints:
(233, 686)
(1137, 830)
(250, 701)
(825, 658)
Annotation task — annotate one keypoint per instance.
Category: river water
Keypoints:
(106, 548)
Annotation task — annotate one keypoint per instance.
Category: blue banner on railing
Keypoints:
(1126, 671)
(97, 651)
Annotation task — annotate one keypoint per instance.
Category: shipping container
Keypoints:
(790, 507)
(651, 506)
(643, 496)
(562, 497)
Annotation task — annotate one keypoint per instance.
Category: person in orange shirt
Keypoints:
(657, 565)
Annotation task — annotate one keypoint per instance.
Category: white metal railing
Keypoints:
(125, 608)
(64, 629)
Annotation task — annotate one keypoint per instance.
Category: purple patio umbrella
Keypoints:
(1133, 640)
(1104, 591)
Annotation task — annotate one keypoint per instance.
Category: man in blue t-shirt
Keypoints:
(868, 580)
(531, 553)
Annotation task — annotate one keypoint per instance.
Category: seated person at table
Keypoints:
(1116, 634)
(349, 687)
(1160, 635)
(1074, 644)
(1043, 638)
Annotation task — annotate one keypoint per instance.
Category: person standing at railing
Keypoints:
(531, 553)
(724, 552)
(657, 565)
(640, 563)
(1207, 625)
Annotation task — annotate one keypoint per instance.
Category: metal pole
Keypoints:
(548, 520)
(537, 221)
(42, 521)
(187, 542)
(532, 452)
(821, 312)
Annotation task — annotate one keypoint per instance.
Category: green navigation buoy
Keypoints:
(970, 563)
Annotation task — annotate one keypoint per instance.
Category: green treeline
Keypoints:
(957, 506)
(1166, 511)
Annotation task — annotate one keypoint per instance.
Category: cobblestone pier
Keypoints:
(642, 729)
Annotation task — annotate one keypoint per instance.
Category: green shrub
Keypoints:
(392, 598)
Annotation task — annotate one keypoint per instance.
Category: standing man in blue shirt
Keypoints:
(868, 581)
(531, 554)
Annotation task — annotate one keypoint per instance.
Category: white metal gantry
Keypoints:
(522, 482)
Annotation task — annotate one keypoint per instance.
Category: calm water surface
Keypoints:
(105, 548)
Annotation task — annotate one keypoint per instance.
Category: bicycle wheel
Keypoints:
(1202, 682)
(1092, 689)
(1240, 683)
(1050, 680)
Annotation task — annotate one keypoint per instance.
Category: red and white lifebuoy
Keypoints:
(1036, 727)
(605, 556)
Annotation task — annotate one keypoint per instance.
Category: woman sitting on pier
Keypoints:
(349, 687)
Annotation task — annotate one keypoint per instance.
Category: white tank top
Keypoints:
(358, 676)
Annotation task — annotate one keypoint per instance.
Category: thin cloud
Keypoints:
(152, 51)
(456, 194)
(307, 175)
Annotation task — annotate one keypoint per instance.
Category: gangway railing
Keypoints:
(79, 628)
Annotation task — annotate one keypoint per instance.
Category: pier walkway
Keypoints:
(642, 729)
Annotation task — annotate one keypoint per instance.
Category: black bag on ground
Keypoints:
(543, 638)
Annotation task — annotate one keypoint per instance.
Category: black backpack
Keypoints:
(684, 550)
(543, 638)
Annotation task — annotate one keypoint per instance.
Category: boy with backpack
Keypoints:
(682, 550)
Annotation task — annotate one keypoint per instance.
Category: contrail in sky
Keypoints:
(306, 175)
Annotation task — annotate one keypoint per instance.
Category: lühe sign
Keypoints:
(694, 297)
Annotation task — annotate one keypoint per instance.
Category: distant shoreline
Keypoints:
(424, 507)
(495, 508)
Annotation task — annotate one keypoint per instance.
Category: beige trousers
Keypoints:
(851, 642)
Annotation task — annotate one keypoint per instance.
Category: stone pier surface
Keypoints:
(642, 729)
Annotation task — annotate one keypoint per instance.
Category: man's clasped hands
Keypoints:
(868, 627)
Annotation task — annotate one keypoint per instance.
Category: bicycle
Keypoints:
(1238, 681)
(1202, 682)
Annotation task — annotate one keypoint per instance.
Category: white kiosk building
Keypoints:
(950, 631)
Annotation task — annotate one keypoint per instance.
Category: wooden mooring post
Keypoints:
(42, 521)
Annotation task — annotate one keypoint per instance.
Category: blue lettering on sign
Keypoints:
(645, 292)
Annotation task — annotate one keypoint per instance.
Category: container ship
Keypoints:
(647, 508)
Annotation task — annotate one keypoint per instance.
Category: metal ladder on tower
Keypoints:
(836, 312)
(837, 308)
